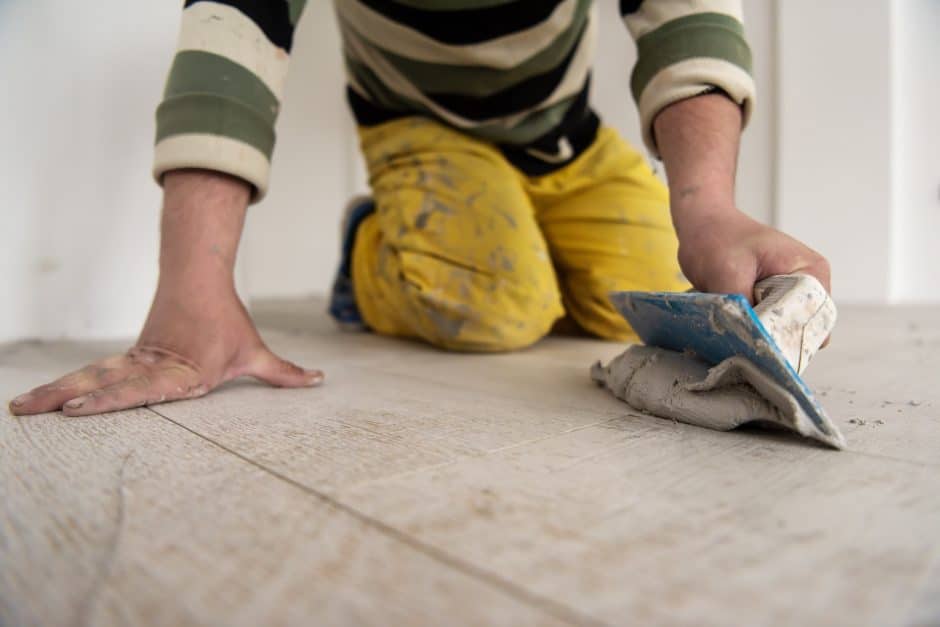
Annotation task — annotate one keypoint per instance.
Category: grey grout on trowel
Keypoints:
(713, 361)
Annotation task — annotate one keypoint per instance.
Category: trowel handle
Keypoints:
(798, 313)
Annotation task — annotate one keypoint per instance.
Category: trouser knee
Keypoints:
(485, 318)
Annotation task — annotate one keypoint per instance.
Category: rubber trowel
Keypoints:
(715, 361)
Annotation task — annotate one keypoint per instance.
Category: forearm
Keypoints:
(203, 217)
(698, 140)
(721, 249)
(224, 89)
(197, 334)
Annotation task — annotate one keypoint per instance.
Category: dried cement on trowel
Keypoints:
(795, 310)
(676, 385)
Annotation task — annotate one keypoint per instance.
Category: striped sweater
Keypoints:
(513, 72)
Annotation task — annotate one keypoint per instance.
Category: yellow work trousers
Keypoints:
(469, 254)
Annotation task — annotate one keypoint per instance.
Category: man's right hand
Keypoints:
(198, 334)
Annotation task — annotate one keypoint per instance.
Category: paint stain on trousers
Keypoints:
(467, 253)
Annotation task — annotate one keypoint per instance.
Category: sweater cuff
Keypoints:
(686, 57)
(213, 152)
(214, 133)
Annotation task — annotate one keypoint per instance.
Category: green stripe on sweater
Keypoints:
(708, 35)
(198, 72)
(482, 81)
(214, 115)
(295, 8)
(530, 128)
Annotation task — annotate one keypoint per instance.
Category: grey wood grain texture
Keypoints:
(519, 474)
(631, 516)
(130, 519)
(881, 379)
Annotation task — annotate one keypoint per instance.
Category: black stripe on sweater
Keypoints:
(369, 114)
(519, 97)
(271, 16)
(579, 126)
(467, 26)
(629, 6)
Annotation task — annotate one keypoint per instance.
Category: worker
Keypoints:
(501, 207)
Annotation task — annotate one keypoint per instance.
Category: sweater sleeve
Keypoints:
(686, 48)
(223, 93)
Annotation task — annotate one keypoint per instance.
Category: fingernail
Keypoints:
(75, 403)
(19, 400)
(314, 377)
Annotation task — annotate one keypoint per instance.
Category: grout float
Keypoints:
(797, 314)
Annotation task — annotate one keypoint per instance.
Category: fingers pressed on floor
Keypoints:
(157, 385)
(51, 396)
(273, 370)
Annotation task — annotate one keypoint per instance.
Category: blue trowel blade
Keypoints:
(715, 327)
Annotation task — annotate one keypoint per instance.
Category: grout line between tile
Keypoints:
(510, 588)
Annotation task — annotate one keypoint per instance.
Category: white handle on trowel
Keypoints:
(798, 313)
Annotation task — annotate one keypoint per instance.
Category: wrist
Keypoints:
(693, 199)
(203, 217)
(193, 184)
(698, 142)
(692, 217)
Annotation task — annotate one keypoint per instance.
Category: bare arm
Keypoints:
(720, 248)
(198, 334)
(698, 139)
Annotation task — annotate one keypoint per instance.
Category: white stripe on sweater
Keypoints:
(227, 32)
(574, 78)
(503, 52)
(213, 152)
(689, 78)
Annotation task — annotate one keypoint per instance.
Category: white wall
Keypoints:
(915, 251)
(292, 238)
(616, 55)
(80, 216)
(81, 211)
(834, 182)
(859, 148)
